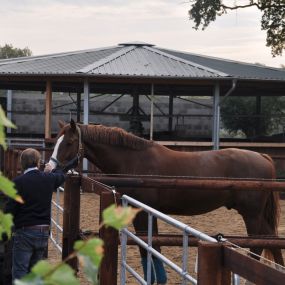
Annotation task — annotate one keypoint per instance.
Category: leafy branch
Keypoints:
(89, 254)
(203, 12)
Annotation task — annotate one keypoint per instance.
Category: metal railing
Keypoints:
(55, 222)
(186, 231)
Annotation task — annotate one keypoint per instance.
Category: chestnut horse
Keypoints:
(114, 151)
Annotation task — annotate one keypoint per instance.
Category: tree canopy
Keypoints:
(8, 51)
(243, 114)
(203, 12)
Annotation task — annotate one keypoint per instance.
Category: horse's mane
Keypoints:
(114, 136)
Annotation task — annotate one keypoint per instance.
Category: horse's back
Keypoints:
(230, 162)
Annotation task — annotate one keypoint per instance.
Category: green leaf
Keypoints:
(90, 269)
(42, 268)
(44, 273)
(6, 223)
(119, 217)
(4, 122)
(64, 275)
(34, 280)
(8, 188)
(92, 248)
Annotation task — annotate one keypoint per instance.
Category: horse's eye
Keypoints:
(70, 142)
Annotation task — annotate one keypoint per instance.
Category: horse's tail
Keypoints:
(272, 208)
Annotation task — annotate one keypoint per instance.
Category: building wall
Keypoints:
(28, 113)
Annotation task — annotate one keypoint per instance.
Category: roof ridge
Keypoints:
(103, 61)
(52, 55)
(225, 59)
(187, 61)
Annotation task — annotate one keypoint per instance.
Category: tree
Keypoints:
(8, 51)
(203, 12)
(242, 114)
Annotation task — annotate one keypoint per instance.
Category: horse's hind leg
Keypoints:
(257, 225)
(157, 269)
(253, 225)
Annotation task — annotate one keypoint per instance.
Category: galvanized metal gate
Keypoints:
(186, 231)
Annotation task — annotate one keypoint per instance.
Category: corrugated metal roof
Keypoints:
(133, 60)
(233, 68)
(136, 59)
(63, 63)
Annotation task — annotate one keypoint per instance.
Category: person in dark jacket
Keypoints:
(32, 218)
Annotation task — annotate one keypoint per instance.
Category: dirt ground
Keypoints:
(221, 220)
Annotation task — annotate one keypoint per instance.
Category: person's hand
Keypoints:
(48, 167)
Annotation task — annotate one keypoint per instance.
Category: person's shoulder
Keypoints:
(18, 178)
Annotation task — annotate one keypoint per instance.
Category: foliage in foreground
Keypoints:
(89, 254)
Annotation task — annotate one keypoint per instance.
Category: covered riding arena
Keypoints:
(142, 69)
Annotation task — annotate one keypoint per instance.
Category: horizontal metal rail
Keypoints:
(56, 225)
(55, 222)
(165, 260)
(171, 221)
(187, 230)
(57, 206)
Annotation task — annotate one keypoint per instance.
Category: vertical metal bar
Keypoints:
(151, 113)
(48, 106)
(86, 104)
(57, 216)
(236, 279)
(78, 107)
(216, 117)
(123, 250)
(9, 108)
(170, 113)
(185, 257)
(149, 242)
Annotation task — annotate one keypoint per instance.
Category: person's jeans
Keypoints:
(29, 246)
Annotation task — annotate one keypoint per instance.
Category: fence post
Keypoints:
(110, 236)
(71, 217)
(210, 265)
(15, 162)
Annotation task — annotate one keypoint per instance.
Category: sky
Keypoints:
(51, 26)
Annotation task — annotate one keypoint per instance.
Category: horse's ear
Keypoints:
(61, 123)
(72, 125)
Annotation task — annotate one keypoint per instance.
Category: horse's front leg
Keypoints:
(158, 272)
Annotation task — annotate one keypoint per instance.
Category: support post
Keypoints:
(216, 117)
(210, 265)
(9, 108)
(151, 113)
(86, 102)
(170, 112)
(48, 110)
(258, 118)
(78, 105)
(109, 265)
(86, 114)
(71, 217)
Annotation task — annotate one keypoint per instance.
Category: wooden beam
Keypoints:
(168, 184)
(48, 110)
(210, 267)
(71, 217)
(251, 269)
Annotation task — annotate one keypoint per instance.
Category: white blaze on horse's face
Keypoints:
(55, 151)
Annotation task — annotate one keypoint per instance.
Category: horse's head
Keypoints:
(67, 149)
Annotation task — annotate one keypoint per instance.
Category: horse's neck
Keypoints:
(110, 159)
